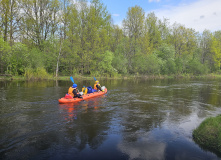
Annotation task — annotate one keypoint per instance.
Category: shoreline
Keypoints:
(125, 77)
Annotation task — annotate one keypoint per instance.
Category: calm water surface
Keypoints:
(136, 119)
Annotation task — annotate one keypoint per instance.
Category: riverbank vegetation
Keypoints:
(50, 38)
(208, 134)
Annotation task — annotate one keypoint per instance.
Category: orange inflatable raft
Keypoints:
(87, 96)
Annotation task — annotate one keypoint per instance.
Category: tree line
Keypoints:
(64, 37)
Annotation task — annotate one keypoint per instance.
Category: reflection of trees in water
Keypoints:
(210, 95)
(181, 98)
(87, 125)
(145, 147)
(138, 106)
(136, 118)
(147, 107)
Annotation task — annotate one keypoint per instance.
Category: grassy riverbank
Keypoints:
(208, 134)
(88, 77)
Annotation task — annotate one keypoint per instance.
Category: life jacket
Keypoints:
(95, 86)
(70, 91)
(84, 90)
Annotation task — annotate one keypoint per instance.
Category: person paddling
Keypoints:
(73, 91)
(97, 86)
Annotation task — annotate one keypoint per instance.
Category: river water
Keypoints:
(136, 119)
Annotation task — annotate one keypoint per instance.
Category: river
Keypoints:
(136, 119)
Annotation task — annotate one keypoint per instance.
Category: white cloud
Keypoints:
(154, 1)
(146, 147)
(199, 15)
(115, 15)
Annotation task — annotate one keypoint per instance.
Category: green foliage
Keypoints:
(208, 134)
(196, 68)
(36, 58)
(5, 54)
(153, 26)
(105, 65)
(120, 64)
(39, 73)
(165, 52)
(216, 50)
(49, 55)
(168, 67)
(133, 27)
(179, 65)
(19, 59)
(147, 64)
(79, 38)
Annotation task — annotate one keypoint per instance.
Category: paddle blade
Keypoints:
(94, 78)
(72, 79)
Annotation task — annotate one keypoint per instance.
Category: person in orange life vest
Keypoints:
(73, 91)
(97, 86)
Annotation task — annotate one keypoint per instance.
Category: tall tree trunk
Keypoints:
(11, 21)
(6, 26)
(58, 60)
(59, 54)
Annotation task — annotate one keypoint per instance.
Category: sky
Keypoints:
(196, 14)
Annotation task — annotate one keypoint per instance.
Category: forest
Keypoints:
(41, 38)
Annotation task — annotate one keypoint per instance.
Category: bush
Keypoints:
(168, 67)
(120, 64)
(38, 73)
(105, 65)
(165, 52)
(208, 134)
(147, 64)
(195, 67)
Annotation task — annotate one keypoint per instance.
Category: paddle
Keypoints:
(95, 79)
(72, 79)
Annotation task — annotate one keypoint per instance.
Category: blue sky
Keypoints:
(196, 14)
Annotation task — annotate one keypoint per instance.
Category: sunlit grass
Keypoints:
(41, 74)
(208, 134)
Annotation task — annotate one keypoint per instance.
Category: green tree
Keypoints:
(153, 27)
(116, 37)
(18, 59)
(98, 30)
(195, 67)
(133, 28)
(38, 21)
(5, 15)
(205, 46)
(216, 49)
(167, 54)
(147, 64)
(184, 41)
(71, 50)
(105, 65)
(9, 17)
(178, 39)
(5, 53)
(120, 61)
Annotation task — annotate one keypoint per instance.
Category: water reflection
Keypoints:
(70, 110)
(87, 123)
(138, 119)
(145, 147)
(174, 110)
